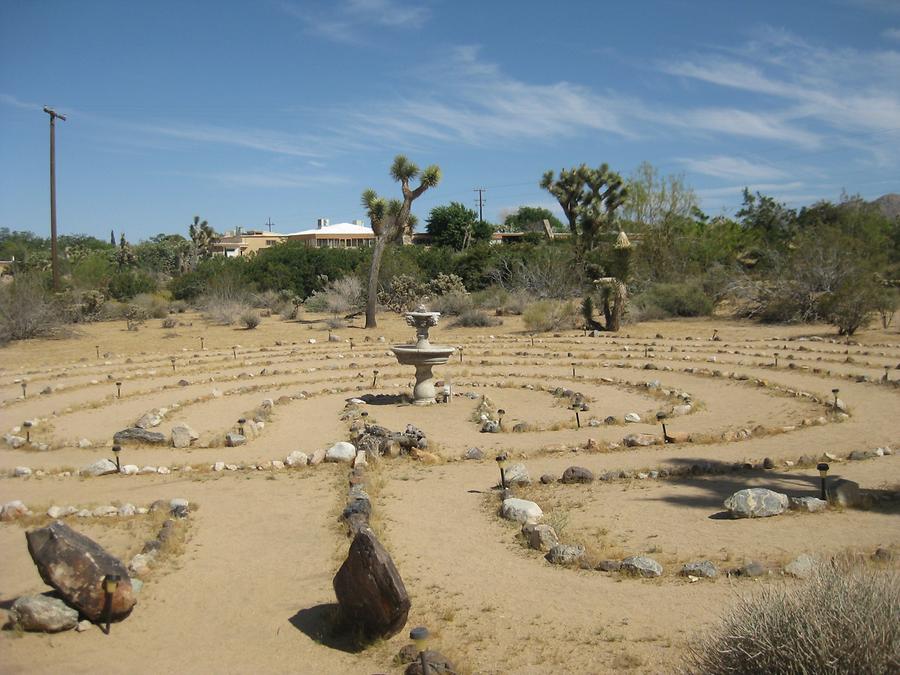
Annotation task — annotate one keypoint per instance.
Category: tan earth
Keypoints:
(247, 587)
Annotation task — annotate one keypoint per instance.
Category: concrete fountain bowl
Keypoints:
(423, 355)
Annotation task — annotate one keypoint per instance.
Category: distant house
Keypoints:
(238, 243)
(339, 235)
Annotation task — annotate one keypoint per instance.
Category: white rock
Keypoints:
(130, 469)
(14, 509)
(521, 510)
(296, 458)
(140, 564)
(317, 457)
(14, 441)
(55, 512)
(142, 510)
(21, 471)
(231, 467)
(219, 466)
(148, 469)
(85, 443)
(183, 436)
(83, 626)
(102, 511)
(341, 452)
(216, 393)
(632, 417)
(277, 464)
(164, 470)
(127, 510)
(84, 513)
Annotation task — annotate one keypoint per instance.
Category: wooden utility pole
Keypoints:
(54, 258)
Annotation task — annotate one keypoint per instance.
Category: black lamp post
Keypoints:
(661, 418)
(420, 636)
(577, 407)
(502, 460)
(532, 340)
(118, 389)
(500, 413)
(776, 360)
(172, 359)
(374, 377)
(573, 369)
(116, 450)
(351, 344)
(110, 584)
(234, 351)
(823, 474)
(97, 349)
(887, 369)
(460, 354)
(241, 422)
(24, 389)
(835, 392)
(27, 425)
(201, 343)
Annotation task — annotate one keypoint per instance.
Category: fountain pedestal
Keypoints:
(423, 355)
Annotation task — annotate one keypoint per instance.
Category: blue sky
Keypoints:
(281, 109)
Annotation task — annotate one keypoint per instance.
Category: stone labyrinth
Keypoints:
(593, 493)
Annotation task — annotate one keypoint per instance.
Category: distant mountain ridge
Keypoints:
(888, 204)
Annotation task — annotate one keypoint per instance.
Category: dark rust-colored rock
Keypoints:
(75, 566)
(369, 589)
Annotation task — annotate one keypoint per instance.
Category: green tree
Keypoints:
(391, 220)
(772, 220)
(124, 255)
(531, 219)
(457, 227)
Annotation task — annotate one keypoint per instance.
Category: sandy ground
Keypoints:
(250, 589)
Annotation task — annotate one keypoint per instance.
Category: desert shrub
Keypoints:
(547, 315)
(677, 299)
(113, 310)
(270, 300)
(842, 619)
(27, 310)
(446, 284)
(178, 307)
(886, 305)
(224, 313)
(169, 323)
(341, 296)
(452, 304)
(82, 306)
(476, 318)
(547, 271)
(154, 306)
(250, 319)
(127, 284)
(401, 293)
(852, 304)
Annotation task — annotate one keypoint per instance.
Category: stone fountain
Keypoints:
(423, 355)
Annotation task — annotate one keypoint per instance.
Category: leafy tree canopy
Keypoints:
(456, 226)
(531, 219)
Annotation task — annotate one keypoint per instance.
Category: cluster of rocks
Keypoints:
(177, 509)
(75, 567)
(377, 441)
(17, 509)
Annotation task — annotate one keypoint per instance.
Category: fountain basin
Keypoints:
(424, 359)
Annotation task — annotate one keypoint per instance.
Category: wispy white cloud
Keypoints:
(255, 139)
(12, 101)
(892, 33)
(272, 179)
(733, 168)
(347, 21)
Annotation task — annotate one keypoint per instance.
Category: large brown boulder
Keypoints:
(369, 589)
(76, 566)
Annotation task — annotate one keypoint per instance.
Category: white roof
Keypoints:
(336, 229)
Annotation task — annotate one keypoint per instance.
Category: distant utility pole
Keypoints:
(480, 202)
(53, 252)
(270, 224)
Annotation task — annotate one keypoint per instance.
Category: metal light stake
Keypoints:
(500, 413)
(502, 460)
(172, 359)
(27, 425)
(577, 408)
(374, 377)
(823, 474)
(420, 636)
(24, 390)
(118, 390)
(97, 349)
(234, 351)
(835, 392)
(110, 584)
(116, 450)
(201, 343)
(573, 370)
(241, 422)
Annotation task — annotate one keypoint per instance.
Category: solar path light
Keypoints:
(118, 389)
(110, 584)
(502, 462)
(823, 474)
(419, 636)
(661, 418)
(116, 450)
(27, 424)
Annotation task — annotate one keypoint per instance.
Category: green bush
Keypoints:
(547, 315)
(843, 619)
(676, 299)
(129, 283)
(250, 319)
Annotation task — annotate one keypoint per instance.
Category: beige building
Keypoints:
(240, 243)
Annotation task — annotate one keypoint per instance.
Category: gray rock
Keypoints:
(13, 441)
(369, 589)
(22, 471)
(138, 435)
(640, 440)
(233, 440)
(317, 457)
(577, 474)
(768, 463)
(548, 479)
(101, 467)
(844, 493)
(641, 565)
(700, 568)
(149, 420)
(474, 453)
(490, 427)
(756, 503)
(42, 614)
(632, 417)
(857, 455)
(808, 504)
(680, 410)
(752, 569)
(521, 510)
(517, 474)
(609, 566)
(541, 537)
(882, 554)
(341, 452)
(800, 567)
(565, 554)
(183, 436)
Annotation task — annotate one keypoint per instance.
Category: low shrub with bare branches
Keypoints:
(842, 619)
(27, 310)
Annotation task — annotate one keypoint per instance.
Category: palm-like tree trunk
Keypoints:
(372, 299)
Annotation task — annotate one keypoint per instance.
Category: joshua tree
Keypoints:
(202, 238)
(392, 220)
(589, 198)
(124, 255)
